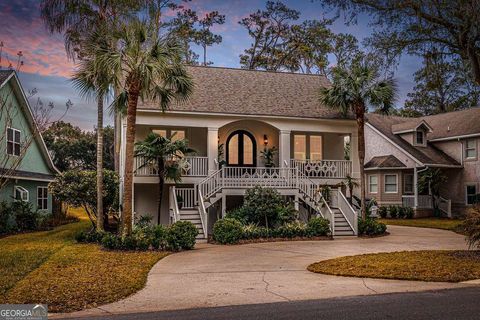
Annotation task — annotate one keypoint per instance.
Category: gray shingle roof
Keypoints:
(240, 91)
(384, 162)
(427, 155)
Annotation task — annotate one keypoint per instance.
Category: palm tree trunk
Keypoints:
(129, 157)
(161, 182)
(100, 220)
(361, 157)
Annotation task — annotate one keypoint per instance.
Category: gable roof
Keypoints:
(384, 162)
(254, 92)
(10, 75)
(410, 126)
(429, 155)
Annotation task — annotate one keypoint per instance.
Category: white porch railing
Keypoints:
(187, 196)
(333, 169)
(193, 167)
(424, 201)
(445, 205)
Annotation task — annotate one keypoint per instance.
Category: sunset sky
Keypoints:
(47, 68)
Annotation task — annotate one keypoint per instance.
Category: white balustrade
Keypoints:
(191, 167)
(334, 169)
(348, 212)
(186, 196)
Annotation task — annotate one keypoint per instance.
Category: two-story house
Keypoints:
(233, 115)
(399, 149)
(25, 164)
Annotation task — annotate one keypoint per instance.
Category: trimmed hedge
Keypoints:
(371, 227)
(231, 231)
(179, 236)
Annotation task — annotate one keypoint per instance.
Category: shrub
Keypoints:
(471, 226)
(159, 240)
(370, 227)
(252, 231)
(227, 231)
(401, 212)
(261, 206)
(111, 241)
(286, 213)
(91, 236)
(181, 235)
(383, 212)
(239, 214)
(409, 213)
(317, 227)
(7, 218)
(290, 230)
(393, 210)
(25, 217)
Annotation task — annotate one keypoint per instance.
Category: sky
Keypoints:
(47, 69)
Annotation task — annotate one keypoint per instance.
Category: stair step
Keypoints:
(189, 216)
(344, 233)
(341, 224)
(342, 229)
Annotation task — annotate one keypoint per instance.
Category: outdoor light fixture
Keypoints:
(265, 139)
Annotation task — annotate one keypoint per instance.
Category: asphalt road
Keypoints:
(442, 304)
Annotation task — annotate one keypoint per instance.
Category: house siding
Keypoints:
(7, 192)
(382, 197)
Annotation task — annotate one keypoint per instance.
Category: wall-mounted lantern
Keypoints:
(265, 140)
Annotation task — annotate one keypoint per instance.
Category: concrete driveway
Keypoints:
(214, 275)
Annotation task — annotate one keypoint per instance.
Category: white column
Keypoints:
(284, 148)
(224, 206)
(212, 148)
(415, 187)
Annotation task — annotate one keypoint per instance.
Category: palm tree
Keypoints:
(146, 66)
(79, 21)
(353, 90)
(350, 183)
(166, 155)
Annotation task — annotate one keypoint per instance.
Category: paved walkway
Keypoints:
(213, 275)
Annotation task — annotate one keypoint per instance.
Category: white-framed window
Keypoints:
(391, 183)
(42, 198)
(471, 149)
(408, 183)
(174, 134)
(307, 146)
(13, 141)
(420, 137)
(316, 147)
(471, 193)
(373, 183)
(20, 193)
(300, 147)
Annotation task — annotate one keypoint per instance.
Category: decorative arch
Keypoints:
(241, 149)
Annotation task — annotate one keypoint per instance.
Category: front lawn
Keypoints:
(50, 267)
(436, 223)
(434, 265)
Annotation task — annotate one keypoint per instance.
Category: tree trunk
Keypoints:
(161, 182)
(129, 160)
(205, 55)
(100, 220)
(361, 157)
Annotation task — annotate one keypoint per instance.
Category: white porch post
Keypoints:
(284, 148)
(212, 148)
(415, 188)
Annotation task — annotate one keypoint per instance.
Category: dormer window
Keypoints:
(420, 137)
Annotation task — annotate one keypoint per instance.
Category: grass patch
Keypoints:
(50, 267)
(429, 265)
(435, 223)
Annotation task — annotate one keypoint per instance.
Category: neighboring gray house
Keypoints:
(398, 149)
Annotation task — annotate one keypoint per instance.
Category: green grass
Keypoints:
(436, 223)
(434, 265)
(50, 267)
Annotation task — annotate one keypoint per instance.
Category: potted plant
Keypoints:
(268, 154)
(179, 201)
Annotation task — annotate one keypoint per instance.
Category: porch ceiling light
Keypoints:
(265, 140)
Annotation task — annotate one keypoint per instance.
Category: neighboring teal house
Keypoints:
(25, 164)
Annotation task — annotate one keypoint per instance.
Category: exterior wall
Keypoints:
(32, 160)
(7, 192)
(377, 146)
(407, 137)
(333, 146)
(146, 202)
(258, 129)
(383, 198)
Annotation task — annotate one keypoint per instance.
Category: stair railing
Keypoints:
(203, 212)
(348, 212)
(175, 211)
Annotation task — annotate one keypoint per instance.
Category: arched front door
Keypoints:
(241, 149)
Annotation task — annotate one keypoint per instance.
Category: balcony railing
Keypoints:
(326, 169)
(192, 167)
